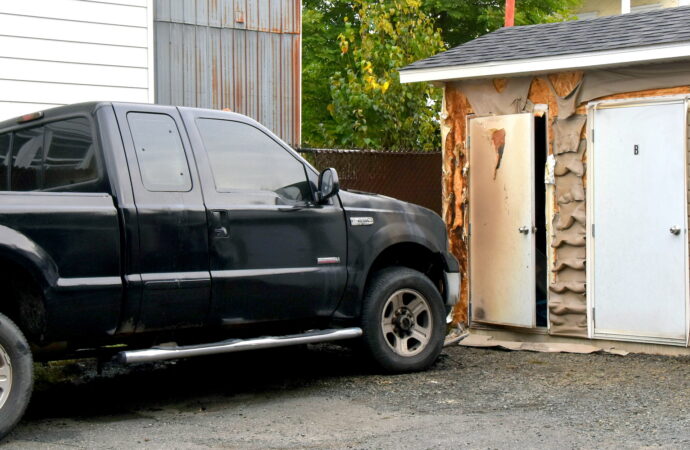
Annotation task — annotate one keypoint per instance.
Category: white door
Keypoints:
(502, 276)
(639, 222)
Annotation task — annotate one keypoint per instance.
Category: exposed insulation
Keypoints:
(566, 95)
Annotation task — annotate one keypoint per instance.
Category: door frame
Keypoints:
(468, 139)
(592, 107)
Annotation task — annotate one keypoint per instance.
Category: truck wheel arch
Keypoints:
(412, 255)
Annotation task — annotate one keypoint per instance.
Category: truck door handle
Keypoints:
(217, 227)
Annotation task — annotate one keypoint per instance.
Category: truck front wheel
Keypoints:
(16, 375)
(403, 320)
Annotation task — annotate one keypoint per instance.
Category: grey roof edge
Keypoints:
(627, 32)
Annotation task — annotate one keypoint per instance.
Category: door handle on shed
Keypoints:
(675, 230)
(523, 230)
(218, 230)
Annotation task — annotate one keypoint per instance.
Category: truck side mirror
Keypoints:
(328, 184)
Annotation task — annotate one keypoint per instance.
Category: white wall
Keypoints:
(56, 52)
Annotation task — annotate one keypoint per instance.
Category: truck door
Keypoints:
(274, 254)
(173, 244)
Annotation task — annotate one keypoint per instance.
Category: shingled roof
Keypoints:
(669, 26)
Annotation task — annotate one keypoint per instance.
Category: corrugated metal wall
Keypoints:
(244, 55)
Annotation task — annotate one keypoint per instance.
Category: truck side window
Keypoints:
(162, 162)
(243, 157)
(5, 140)
(71, 162)
(27, 160)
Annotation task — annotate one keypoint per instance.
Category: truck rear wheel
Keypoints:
(16, 375)
(403, 320)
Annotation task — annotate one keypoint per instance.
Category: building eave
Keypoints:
(592, 60)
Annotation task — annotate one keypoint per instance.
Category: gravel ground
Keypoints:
(327, 397)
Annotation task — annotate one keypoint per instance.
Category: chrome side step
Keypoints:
(236, 345)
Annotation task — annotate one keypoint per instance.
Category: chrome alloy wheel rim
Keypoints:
(5, 376)
(406, 322)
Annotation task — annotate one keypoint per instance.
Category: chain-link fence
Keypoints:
(414, 177)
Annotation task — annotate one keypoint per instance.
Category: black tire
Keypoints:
(15, 359)
(396, 349)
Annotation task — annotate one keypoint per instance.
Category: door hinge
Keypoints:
(469, 230)
(593, 315)
(592, 134)
(469, 140)
(592, 230)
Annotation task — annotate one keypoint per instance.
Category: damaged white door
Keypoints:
(502, 242)
(638, 227)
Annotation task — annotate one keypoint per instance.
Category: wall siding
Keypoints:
(57, 52)
(244, 55)
(567, 302)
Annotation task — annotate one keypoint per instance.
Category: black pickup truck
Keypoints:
(179, 232)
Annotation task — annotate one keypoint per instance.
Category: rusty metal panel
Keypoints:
(209, 53)
(239, 74)
(177, 10)
(189, 64)
(275, 16)
(203, 63)
(215, 13)
(161, 10)
(227, 69)
(215, 69)
(252, 10)
(189, 12)
(266, 70)
(201, 12)
(252, 74)
(502, 239)
(176, 64)
(162, 53)
(285, 18)
(264, 15)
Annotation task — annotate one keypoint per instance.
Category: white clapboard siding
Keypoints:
(79, 11)
(69, 73)
(61, 94)
(57, 52)
(68, 31)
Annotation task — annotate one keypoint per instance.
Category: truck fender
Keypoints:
(16, 247)
(389, 235)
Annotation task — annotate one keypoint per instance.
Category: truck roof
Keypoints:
(54, 113)
(51, 114)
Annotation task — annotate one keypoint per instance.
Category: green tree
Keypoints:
(369, 107)
(462, 21)
(352, 50)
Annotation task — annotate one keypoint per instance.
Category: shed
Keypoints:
(565, 178)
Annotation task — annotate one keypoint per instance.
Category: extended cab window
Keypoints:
(243, 157)
(59, 156)
(162, 162)
(71, 162)
(27, 160)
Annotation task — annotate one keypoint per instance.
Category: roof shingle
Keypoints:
(666, 26)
